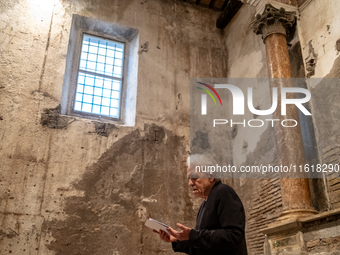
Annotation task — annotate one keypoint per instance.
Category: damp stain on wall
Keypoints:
(128, 183)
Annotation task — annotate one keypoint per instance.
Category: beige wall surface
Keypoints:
(319, 25)
(76, 186)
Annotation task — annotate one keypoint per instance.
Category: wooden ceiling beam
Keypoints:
(225, 4)
(211, 3)
(228, 13)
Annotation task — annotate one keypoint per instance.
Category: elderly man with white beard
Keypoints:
(220, 219)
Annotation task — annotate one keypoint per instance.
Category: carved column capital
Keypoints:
(274, 21)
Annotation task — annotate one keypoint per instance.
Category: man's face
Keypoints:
(200, 184)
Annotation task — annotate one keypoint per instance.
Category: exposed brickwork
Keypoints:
(266, 206)
(324, 245)
(322, 221)
(331, 155)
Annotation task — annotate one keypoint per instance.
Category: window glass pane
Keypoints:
(99, 82)
(117, 72)
(100, 68)
(82, 64)
(88, 90)
(114, 112)
(80, 88)
(90, 66)
(88, 99)
(96, 109)
(92, 42)
(79, 97)
(101, 59)
(106, 93)
(107, 83)
(87, 107)
(101, 51)
(110, 53)
(109, 61)
(96, 91)
(117, 47)
(99, 95)
(114, 103)
(77, 106)
(89, 80)
(97, 100)
(118, 62)
(81, 78)
(116, 85)
(105, 110)
(106, 101)
(115, 94)
(108, 70)
(93, 49)
(84, 55)
(92, 57)
(119, 55)
(85, 47)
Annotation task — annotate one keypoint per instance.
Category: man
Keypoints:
(220, 220)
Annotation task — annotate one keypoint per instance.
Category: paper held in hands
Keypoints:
(156, 225)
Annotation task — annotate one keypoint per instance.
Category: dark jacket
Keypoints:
(219, 227)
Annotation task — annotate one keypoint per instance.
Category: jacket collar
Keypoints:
(215, 185)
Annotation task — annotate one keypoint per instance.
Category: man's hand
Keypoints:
(180, 235)
(165, 236)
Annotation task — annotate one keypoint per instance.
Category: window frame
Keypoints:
(130, 38)
(123, 85)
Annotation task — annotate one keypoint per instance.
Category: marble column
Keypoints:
(274, 25)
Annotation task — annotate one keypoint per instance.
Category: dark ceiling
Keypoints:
(228, 9)
(217, 5)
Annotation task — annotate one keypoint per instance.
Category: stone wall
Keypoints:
(75, 186)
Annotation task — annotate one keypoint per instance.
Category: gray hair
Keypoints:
(201, 160)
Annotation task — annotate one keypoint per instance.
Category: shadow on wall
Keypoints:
(142, 175)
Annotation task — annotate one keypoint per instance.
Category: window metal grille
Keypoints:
(100, 77)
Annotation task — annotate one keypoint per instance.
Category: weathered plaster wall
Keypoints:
(73, 186)
(319, 29)
(244, 47)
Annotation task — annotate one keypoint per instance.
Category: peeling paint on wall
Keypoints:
(311, 60)
(104, 129)
(52, 118)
